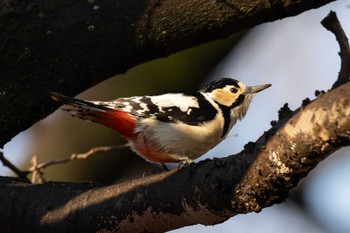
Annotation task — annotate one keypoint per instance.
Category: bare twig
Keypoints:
(34, 162)
(36, 168)
(331, 23)
(37, 174)
(12, 167)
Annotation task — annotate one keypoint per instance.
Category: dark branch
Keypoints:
(332, 24)
(12, 167)
(68, 46)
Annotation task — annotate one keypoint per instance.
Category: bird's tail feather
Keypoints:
(97, 111)
(79, 108)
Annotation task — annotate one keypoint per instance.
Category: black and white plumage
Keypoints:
(172, 127)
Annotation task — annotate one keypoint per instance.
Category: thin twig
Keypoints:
(331, 23)
(12, 167)
(37, 174)
(36, 168)
(75, 157)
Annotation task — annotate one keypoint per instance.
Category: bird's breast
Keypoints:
(179, 138)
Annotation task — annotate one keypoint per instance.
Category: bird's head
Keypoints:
(233, 94)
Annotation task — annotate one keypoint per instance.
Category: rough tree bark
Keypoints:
(208, 192)
(68, 46)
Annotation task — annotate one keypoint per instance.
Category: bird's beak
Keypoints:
(256, 89)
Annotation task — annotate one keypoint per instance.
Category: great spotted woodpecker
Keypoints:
(176, 127)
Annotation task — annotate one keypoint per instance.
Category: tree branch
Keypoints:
(12, 167)
(332, 24)
(207, 192)
(37, 168)
(68, 46)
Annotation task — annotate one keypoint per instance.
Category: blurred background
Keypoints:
(296, 55)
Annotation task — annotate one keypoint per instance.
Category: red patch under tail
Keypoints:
(122, 122)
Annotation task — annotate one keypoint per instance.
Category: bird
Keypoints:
(173, 127)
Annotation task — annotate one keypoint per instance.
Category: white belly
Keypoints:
(182, 139)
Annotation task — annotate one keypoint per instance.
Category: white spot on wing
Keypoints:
(127, 107)
(179, 100)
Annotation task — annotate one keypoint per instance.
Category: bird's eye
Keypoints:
(233, 90)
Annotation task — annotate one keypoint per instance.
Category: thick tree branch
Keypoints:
(67, 46)
(208, 192)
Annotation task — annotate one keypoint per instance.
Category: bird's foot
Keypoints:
(184, 163)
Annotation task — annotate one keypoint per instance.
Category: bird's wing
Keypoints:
(192, 109)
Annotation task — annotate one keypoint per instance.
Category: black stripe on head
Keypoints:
(238, 101)
(220, 83)
(226, 111)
